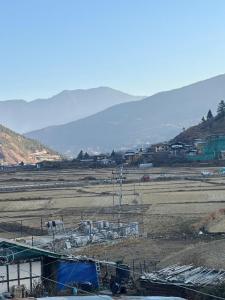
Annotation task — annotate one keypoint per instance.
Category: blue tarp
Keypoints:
(79, 272)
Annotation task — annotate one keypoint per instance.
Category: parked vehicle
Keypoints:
(145, 178)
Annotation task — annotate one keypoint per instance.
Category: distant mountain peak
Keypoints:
(137, 122)
(66, 106)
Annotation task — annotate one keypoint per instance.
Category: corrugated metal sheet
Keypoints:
(20, 251)
(187, 275)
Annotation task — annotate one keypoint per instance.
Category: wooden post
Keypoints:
(140, 268)
(21, 228)
(41, 225)
(144, 267)
(53, 240)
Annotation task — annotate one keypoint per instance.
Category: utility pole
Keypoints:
(135, 195)
(21, 228)
(41, 226)
(53, 239)
(121, 187)
(120, 192)
(113, 194)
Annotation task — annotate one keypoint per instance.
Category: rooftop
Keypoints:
(187, 275)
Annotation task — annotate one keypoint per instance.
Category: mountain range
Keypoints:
(15, 148)
(154, 119)
(69, 105)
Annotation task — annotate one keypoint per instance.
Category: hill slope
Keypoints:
(202, 130)
(153, 119)
(15, 148)
(64, 107)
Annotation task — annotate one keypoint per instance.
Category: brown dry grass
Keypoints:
(175, 206)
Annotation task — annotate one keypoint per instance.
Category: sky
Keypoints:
(137, 46)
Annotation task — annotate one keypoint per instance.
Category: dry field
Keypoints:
(171, 204)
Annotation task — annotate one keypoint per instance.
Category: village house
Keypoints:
(131, 157)
(180, 149)
(30, 267)
(161, 147)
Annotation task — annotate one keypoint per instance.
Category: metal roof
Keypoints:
(187, 275)
(22, 251)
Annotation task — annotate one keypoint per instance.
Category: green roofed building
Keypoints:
(32, 269)
(22, 265)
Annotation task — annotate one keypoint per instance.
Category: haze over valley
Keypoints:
(67, 106)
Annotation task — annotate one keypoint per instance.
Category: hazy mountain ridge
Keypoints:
(15, 148)
(67, 106)
(153, 119)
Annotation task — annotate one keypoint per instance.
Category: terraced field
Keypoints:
(169, 207)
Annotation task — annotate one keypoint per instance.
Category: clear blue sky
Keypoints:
(138, 46)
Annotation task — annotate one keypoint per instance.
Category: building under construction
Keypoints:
(212, 148)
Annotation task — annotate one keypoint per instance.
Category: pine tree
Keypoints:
(113, 154)
(203, 119)
(80, 155)
(209, 115)
(221, 108)
(86, 155)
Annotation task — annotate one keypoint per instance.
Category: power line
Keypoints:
(118, 267)
(165, 282)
